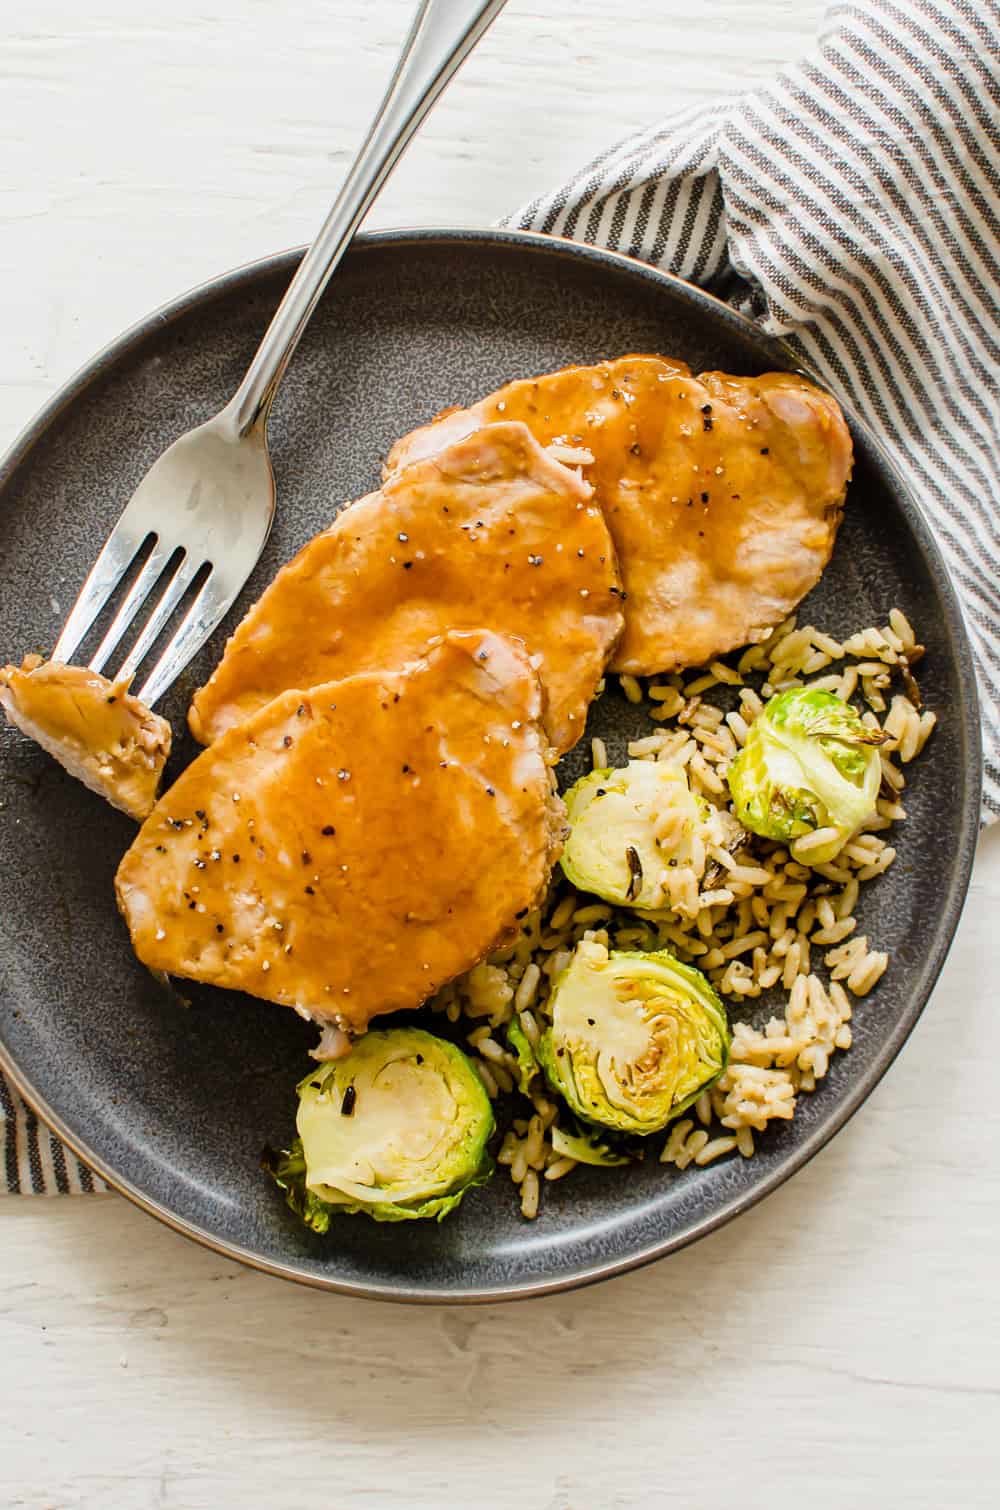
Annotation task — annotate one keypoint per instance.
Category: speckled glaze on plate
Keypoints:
(172, 1105)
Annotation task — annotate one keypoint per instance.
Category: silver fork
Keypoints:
(204, 509)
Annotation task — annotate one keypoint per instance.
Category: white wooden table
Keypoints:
(836, 1346)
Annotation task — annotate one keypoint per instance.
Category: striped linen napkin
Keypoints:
(32, 1161)
(852, 208)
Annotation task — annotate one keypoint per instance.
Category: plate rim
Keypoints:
(967, 712)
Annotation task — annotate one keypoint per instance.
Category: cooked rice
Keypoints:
(758, 922)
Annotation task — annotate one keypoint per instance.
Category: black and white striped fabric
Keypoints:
(32, 1161)
(853, 209)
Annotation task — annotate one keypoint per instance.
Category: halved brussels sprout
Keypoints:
(626, 826)
(635, 1038)
(397, 1129)
(809, 763)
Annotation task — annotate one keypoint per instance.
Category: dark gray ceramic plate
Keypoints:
(172, 1105)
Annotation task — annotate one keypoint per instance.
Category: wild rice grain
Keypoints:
(534, 1143)
(700, 684)
(563, 913)
(836, 932)
(792, 963)
(652, 744)
(719, 898)
(828, 645)
(841, 961)
(503, 1079)
(700, 768)
(548, 1117)
(529, 1195)
(848, 898)
(669, 698)
(675, 1140)
(927, 725)
(692, 1147)
(751, 875)
(705, 716)
(486, 1076)
(714, 1149)
(848, 683)
(902, 627)
(525, 993)
(869, 969)
(752, 660)
(739, 727)
(530, 1028)
(491, 1050)
(878, 867)
(583, 917)
(743, 944)
(808, 844)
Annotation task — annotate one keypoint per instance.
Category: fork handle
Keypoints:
(443, 34)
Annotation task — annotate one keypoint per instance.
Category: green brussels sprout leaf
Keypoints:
(586, 1148)
(287, 1169)
(527, 1062)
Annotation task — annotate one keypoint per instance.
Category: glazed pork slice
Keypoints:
(491, 530)
(723, 494)
(103, 735)
(347, 850)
